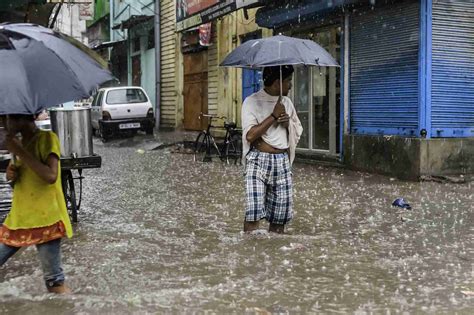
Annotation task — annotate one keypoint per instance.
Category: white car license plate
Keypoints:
(129, 126)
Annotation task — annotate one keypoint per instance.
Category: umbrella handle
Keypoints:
(281, 82)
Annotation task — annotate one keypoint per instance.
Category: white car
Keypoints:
(121, 109)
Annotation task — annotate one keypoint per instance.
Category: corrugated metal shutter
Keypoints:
(384, 70)
(168, 64)
(452, 89)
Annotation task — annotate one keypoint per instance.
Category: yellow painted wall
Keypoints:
(224, 84)
(171, 89)
(230, 30)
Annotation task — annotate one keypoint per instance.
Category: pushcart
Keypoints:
(71, 172)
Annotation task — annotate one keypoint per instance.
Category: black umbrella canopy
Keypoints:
(277, 51)
(40, 68)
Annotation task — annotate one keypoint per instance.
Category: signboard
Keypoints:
(86, 10)
(191, 13)
(205, 34)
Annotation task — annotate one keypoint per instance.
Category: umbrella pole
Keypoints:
(281, 82)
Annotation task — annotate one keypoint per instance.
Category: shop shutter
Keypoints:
(452, 86)
(384, 70)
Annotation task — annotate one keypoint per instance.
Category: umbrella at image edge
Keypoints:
(40, 68)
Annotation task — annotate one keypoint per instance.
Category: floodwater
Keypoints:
(160, 233)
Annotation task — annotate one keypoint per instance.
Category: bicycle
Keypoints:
(232, 146)
(206, 147)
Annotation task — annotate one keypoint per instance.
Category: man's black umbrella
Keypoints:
(278, 51)
(40, 68)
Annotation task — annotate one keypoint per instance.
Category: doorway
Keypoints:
(195, 90)
(316, 95)
(136, 71)
(251, 79)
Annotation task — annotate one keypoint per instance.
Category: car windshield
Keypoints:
(126, 96)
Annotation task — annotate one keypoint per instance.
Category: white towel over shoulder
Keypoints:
(256, 108)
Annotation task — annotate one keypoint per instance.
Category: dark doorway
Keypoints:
(251, 79)
(195, 89)
(136, 71)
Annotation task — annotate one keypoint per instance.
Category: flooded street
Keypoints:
(160, 233)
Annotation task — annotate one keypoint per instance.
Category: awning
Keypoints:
(108, 44)
(132, 21)
(280, 13)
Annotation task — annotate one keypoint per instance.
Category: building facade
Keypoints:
(69, 21)
(122, 32)
(132, 29)
(193, 82)
(402, 102)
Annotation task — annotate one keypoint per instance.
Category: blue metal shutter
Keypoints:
(452, 83)
(384, 70)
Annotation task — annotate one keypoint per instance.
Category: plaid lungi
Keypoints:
(269, 187)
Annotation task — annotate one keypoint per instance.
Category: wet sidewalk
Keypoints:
(160, 233)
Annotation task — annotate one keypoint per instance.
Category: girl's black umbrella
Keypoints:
(41, 68)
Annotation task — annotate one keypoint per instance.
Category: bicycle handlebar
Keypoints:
(211, 116)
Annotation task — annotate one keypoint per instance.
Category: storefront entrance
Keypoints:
(316, 94)
(195, 90)
(251, 79)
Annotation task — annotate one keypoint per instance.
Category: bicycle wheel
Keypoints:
(69, 194)
(233, 150)
(200, 146)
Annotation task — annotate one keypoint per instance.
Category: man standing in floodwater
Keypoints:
(271, 131)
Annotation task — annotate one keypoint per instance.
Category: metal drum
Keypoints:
(73, 127)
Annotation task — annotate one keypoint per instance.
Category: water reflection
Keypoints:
(161, 233)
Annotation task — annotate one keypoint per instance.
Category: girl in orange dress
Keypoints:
(38, 215)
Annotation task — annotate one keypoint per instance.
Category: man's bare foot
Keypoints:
(250, 226)
(276, 228)
(62, 289)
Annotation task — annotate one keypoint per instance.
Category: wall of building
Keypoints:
(224, 84)
(171, 71)
(389, 155)
(409, 158)
(230, 31)
(98, 29)
(68, 23)
(148, 77)
(101, 9)
(213, 73)
(121, 11)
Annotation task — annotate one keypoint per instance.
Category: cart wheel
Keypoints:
(69, 194)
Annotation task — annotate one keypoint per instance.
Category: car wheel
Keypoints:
(149, 131)
(104, 136)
